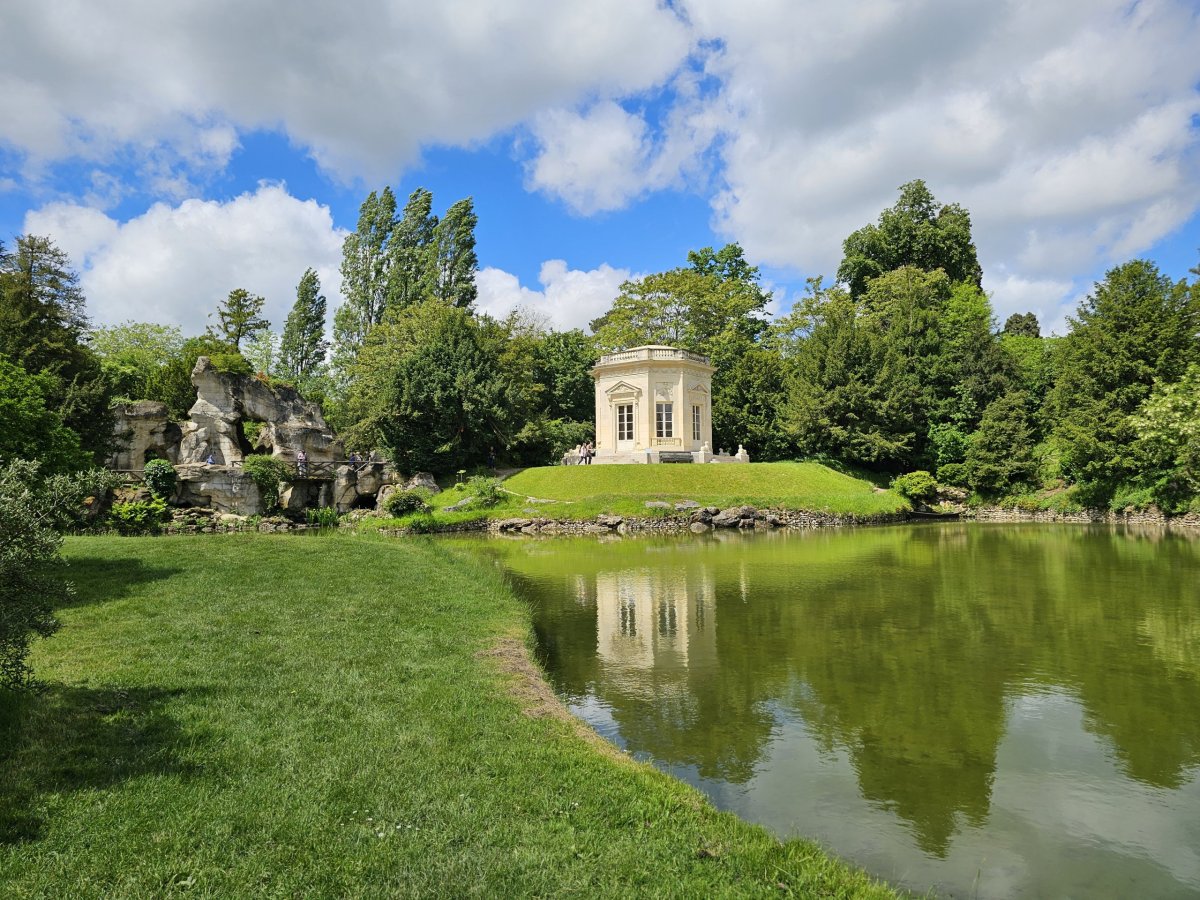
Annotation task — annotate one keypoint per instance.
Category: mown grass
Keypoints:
(583, 492)
(258, 715)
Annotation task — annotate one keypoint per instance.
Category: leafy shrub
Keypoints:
(251, 430)
(1062, 501)
(231, 364)
(160, 477)
(949, 444)
(919, 486)
(267, 472)
(138, 517)
(953, 474)
(486, 490)
(1029, 503)
(323, 517)
(402, 503)
(1131, 497)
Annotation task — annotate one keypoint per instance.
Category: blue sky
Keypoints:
(177, 151)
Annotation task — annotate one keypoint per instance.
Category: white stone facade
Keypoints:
(654, 400)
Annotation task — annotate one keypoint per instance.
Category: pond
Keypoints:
(980, 710)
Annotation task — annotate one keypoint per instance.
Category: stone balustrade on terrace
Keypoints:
(636, 354)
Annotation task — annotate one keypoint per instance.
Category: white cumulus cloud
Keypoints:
(174, 264)
(362, 87)
(569, 298)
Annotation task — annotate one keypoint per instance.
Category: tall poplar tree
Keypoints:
(455, 260)
(303, 348)
(365, 265)
(412, 274)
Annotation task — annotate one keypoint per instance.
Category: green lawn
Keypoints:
(583, 492)
(260, 715)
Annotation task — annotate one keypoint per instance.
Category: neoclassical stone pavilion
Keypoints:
(654, 404)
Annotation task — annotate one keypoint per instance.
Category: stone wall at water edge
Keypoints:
(1083, 517)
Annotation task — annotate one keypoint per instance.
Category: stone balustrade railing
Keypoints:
(647, 353)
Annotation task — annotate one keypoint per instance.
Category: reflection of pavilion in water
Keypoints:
(655, 618)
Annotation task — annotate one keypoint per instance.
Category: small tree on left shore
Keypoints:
(33, 512)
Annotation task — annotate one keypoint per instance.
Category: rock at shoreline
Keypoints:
(422, 480)
(734, 517)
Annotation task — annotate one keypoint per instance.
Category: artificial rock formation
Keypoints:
(144, 431)
(220, 488)
(226, 402)
(219, 426)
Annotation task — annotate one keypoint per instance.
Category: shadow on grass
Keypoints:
(878, 479)
(60, 739)
(100, 579)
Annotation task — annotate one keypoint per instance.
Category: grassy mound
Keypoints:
(282, 716)
(809, 486)
(583, 492)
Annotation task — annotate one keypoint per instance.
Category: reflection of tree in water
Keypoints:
(902, 646)
(915, 697)
(1139, 694)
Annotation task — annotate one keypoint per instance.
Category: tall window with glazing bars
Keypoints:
(663, 426)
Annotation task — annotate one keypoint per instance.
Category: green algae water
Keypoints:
(976, 710)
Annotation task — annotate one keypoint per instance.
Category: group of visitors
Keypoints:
(581, 455)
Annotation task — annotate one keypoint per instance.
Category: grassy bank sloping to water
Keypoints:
(583, 492)
(254, 715)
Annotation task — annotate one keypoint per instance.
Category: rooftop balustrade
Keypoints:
(639, 354)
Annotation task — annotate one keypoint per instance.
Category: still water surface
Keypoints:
(981, 710)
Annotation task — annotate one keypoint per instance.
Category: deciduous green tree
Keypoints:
(918, 231)
(133, 355)
(29, 428)
(687, 307)
(562, 367)
(365, 260)
(430, 387)
(1167, 448)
